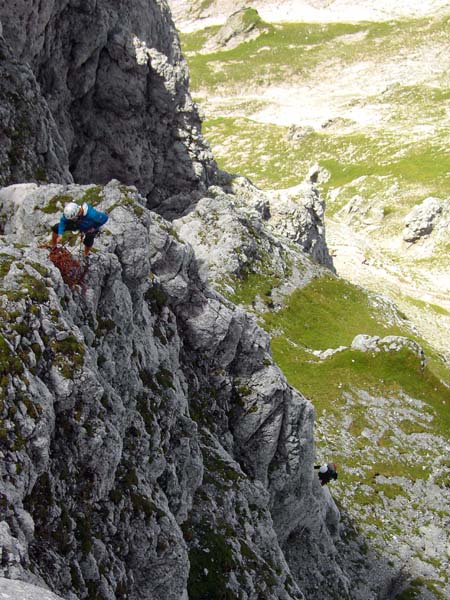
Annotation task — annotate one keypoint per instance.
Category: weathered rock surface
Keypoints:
(389, 343)
(30, 144)
(298, 214)
(241, 26)
(18, 590)
(150, 447)
(238, 229)
(117, 88)
(421, 221)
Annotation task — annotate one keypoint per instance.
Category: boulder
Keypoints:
(241, 26)
(421, 220)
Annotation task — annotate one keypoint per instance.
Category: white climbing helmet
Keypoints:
(323, 469)
(71, 211)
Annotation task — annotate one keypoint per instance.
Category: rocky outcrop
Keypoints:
(30, 145)
(389, 343)
(421, 220)
(238, 230)
(150, 446)
(298, 213)
(117, 88)
(374, 344)
(241, 26)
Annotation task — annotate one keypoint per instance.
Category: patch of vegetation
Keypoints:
(393, 490)
(428, 306)
(36, 288)
(254, 284)
(409, 427)
(193, 42)
(250, 17)
(200, 408)
(164, 379)
(84, 535)
(10, 364)
(127, 201)
(415, 589)
(156, 297)
(6, 260)
(39, 268)
(68, 356)
(218, 472)
(56, 204)
(93, 196)
(261, 152)
(327, 313)
(105, 326)
(278, 52)
(211, 562)
(40, 174)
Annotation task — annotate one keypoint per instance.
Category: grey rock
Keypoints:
(19, 590)
(296, 133)
(421, 220)
(358, 211)
(31, 147)
(239, 229)
(116, 85)
(298, 214)
(318, 174)
(241, 26)
(390, 343)
(365, 343)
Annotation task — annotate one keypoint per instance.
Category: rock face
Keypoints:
(241, 26)
(17, 590)
(237, 229)
(30, 144)
(298, 214)
(421, 221)
(116, 84)
(150, 446)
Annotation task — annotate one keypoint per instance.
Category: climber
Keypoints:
(81, 218)
(327, 472)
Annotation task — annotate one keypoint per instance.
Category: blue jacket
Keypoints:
(92, 219)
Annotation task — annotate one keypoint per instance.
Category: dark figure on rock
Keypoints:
(327, 473)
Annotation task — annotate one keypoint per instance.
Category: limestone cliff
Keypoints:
(30, 144)
(150, 446)
(112, 77)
